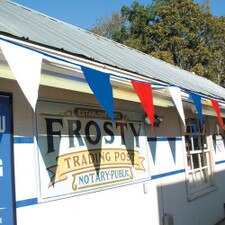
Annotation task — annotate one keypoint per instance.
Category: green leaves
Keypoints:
(180, 32)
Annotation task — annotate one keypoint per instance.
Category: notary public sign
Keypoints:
(7, 200)
(82, 150)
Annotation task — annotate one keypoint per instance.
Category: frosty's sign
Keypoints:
(82, 150)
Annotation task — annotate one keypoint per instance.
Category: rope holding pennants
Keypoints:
(98, 81)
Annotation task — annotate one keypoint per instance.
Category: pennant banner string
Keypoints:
(125, 78)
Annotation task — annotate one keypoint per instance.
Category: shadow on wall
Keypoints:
(78, 144)
(177, 205)
(176, 209)
(167, 154)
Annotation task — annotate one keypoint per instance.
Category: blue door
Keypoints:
(7, 196)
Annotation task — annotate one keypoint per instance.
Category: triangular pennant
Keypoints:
(215, 105)
(99, 83)
(144, 92)
(152, 145)
(176, 96)
(172, 144)
(198, 105)
(26, 67)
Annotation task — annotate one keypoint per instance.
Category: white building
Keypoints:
(68, 163)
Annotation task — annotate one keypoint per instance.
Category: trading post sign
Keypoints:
(7, 197)
(82, 150)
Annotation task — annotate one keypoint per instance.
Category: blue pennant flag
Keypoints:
(99, 83)
(198, 105)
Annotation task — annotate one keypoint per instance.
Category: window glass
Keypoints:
(198, 156)
(195, 161)
(196, 142)
(204, 142)
(188, 143)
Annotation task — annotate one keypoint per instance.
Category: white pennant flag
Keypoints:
(176, 96)
(25, 64)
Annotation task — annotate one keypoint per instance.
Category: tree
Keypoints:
(180, 32)
(112, 27)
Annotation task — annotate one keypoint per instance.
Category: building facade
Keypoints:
(66, 161)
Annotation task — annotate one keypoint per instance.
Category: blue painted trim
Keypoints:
(167, 174)
(23, 140)
(220, 162)
(27, 202)
(165, 139)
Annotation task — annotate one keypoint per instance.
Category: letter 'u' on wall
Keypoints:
(26, 67)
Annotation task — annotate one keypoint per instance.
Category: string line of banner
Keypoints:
(111, 74)
(98, 81)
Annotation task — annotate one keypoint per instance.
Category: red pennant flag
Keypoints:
(217, 110)
(144, 92)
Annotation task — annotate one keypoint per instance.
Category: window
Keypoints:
(199, 169)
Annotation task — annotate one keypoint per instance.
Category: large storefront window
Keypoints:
(199, 169)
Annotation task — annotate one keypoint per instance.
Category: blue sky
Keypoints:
(83, 13)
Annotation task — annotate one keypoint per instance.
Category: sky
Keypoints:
(83, 13)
